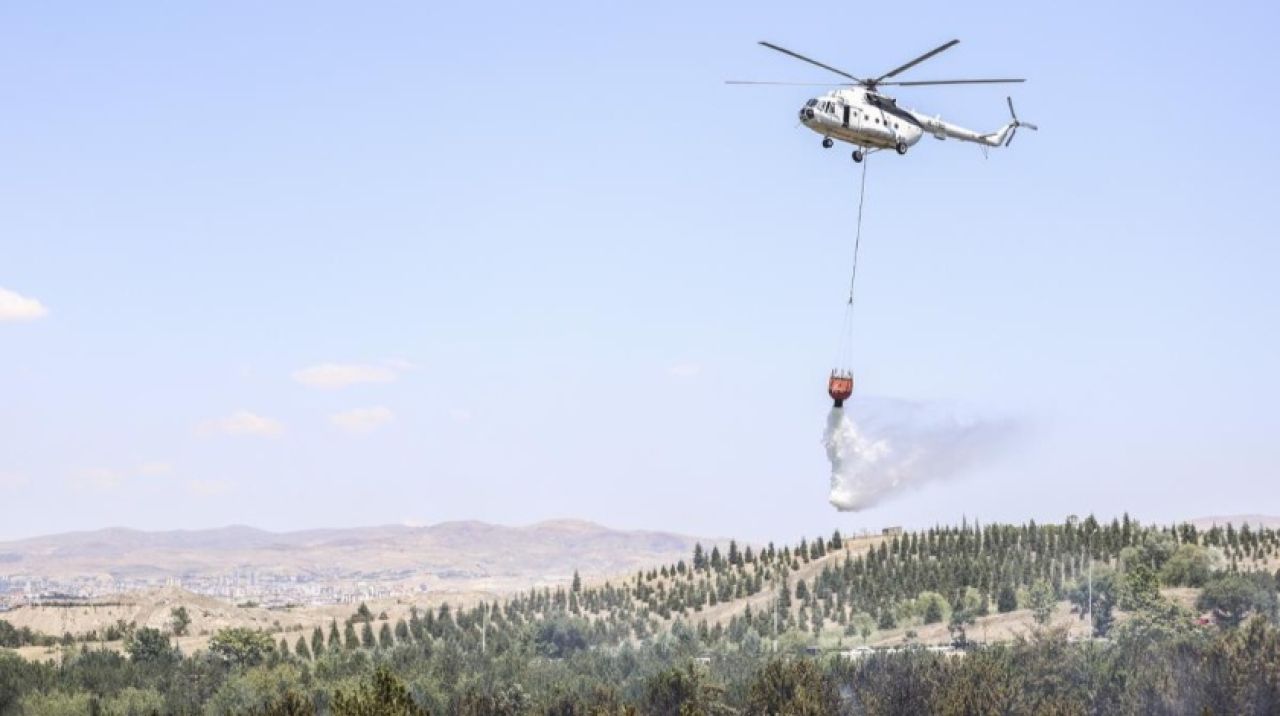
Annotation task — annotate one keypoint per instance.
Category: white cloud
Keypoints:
(334, 375)
(242, 422)
(685, 370)
(16, 307)
(13, 481)
(98, 479)
(208, 488)
(362, 420)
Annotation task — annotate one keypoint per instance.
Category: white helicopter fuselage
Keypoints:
(875, 121)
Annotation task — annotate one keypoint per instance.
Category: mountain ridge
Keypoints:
(474, 548)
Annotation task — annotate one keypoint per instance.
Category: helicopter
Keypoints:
(859, 114)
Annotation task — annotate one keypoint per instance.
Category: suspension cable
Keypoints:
(857, 241)
(844, 351)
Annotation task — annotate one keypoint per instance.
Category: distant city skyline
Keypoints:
(299, 266)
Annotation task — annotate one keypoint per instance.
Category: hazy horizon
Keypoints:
(1243, 518)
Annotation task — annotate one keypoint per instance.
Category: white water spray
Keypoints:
(875, 459)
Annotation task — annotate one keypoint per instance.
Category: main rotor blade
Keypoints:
(811, 61)
(918, 83)
(797, 84)
(916, 61)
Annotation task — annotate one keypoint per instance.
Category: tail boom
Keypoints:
(998, 138)
(943, 130)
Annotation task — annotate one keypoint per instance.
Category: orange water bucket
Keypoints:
(840, 387)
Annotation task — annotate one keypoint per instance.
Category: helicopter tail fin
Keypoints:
(1000, 136)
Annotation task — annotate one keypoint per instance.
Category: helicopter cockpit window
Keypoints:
(811, 103)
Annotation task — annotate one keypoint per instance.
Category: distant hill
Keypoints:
(475, 554)
(1270, 521)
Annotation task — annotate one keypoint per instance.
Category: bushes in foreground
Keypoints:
(1157, 662)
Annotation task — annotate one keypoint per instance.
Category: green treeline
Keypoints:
(657, 644)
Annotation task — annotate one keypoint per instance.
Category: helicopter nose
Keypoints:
(806, 114)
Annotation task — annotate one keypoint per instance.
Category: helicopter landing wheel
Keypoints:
(902, 147)
(857, 155)
(827, 143)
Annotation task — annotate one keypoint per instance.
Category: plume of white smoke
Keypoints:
(900, 446)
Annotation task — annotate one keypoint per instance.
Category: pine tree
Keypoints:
(932, 612)
(317, 642)
(887, 621)
(1042, 601)
(335, 641)
(1007, 599)
(384, 636)
(301, 648)
(383, 693)
(415, 623)
(366, 636)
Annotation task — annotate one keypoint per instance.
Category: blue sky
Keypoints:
(560, 269)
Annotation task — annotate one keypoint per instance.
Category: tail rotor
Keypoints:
(1016, 123)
